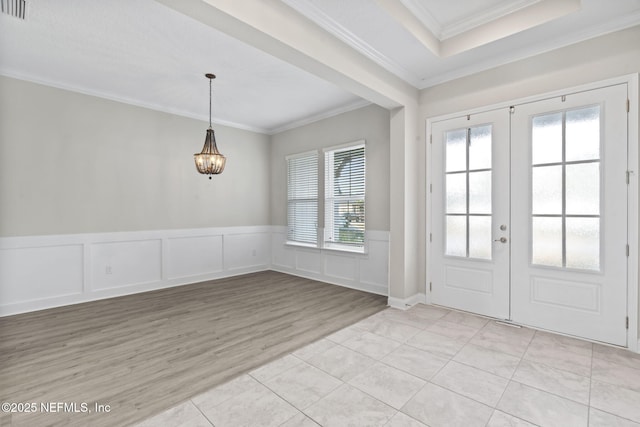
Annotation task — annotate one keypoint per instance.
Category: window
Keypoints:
(344, 191)
(468, 192)
(566, 196)
(302, 198)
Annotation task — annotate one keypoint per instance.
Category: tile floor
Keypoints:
(428, 366)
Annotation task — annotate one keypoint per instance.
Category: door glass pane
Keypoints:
(547, 139)
(583, 189)
(583, 134)
(480, 147)
(480, 192)
(456, 193)
(547, 241)
(583, 243)
(456, 150)
(480, 237)
(547, 190)
(456, 236)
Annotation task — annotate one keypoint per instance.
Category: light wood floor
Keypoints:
(144, 353)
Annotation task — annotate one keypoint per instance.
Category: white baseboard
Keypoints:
(406, 303)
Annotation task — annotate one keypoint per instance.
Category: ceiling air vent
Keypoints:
(16, 8)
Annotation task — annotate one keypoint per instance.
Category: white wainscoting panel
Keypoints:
(38, 272)
(193, 256)
(118, 264)
(367, 272)
(247, 250)
(46, 271)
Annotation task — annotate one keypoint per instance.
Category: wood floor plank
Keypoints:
(147, 352)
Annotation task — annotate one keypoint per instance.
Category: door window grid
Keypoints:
(468, 192)
(565, 219)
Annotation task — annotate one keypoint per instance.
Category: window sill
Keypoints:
(331, 248)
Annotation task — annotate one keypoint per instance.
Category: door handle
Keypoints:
(501, 240)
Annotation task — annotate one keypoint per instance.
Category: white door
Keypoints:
(529, 214)
(569, 214)
(470, 209)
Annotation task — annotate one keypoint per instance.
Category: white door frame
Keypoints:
(633, 164)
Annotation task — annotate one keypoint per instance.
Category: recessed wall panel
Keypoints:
(191, 256)
(35, 273)
(120, 264)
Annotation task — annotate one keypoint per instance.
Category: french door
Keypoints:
(529, 214)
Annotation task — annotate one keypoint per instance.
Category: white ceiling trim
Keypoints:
(308, 120)
(535, 14)
(129, 101)
(204, 118)
(616, 25)
(443, 32)
(316, 15)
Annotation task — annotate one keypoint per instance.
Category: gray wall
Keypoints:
(370, 123)
(72, 163)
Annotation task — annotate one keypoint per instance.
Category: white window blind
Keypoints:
(345, 197)
(302, 198)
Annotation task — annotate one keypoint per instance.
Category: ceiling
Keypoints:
(144, 53)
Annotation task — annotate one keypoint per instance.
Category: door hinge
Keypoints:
(627, 322)
(430, 188)
(628, 105)
(512, 109)
(564, 98)
(430, 287)
(431, 139)
(430, 237)
(627, 249)
(629, 176)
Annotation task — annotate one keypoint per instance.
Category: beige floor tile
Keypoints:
(389, 385)
(599, 418)
(506, 339)
(500, 419)
(224, 392)
(256, 407)
(307, 352)
(303, 385)
(403, 420)
(408, 317)
(372, 345)
(466, 319)
(616, 400)
(556, 381)
(437, 344)
(495, 362)
(613, 373)
(346, 334)
(471, 382)
(617, 355)
(419, 363)
(559, 358)
(182, 415)
(275, 368)
(338, 409)
(300, 420)
(436, 406)
(456, 331)
(542, 408)
(394, 330)
(341, 362)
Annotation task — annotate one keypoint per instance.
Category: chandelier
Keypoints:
(210, 161)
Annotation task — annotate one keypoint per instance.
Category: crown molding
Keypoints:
(124, 100)
(325, 115)
(620, 24)
(313, 13)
